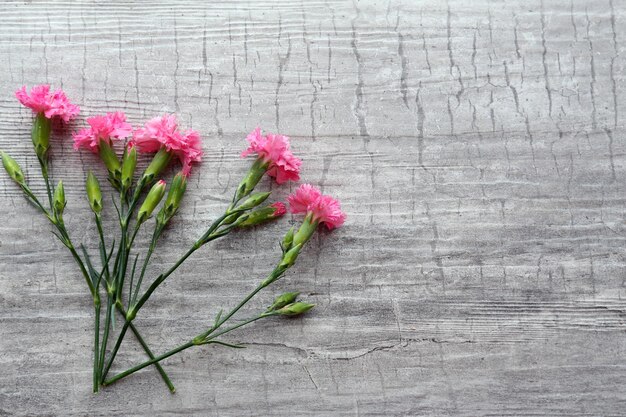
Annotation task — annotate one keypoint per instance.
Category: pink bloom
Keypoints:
(279, 209)
(324, 208)
(102, 128)
(41, 100)
(163, 132)
(274, 149)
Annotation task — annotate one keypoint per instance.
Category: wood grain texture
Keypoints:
(477, 146)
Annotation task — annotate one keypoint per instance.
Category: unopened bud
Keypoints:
(59, 198)
(152, 200)
(264, 214)
(289, 258)
(161, 159)
(282, 300)
(174, 197)
(129, 162)
(13, 168)
(41, 135)
(295, 309)
(254, 200)
(252, 178)
(111, 161)
(288, 240)
(93, 193)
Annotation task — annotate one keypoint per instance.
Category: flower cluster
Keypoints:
(139, 201)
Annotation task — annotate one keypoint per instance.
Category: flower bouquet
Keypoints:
(118, 270)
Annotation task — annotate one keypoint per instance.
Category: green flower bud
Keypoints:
(152, 200)
(41, 135)
(13, 169)
(94, 195)
(59, 199)
(295, 309)
(129, 162)
(161, 159)
(252, 178)
(254, 200)
(111, 161)
(289, 258)
(282, 300)
(174, 197)
(288, 240)
(306, 230)
(260, 216)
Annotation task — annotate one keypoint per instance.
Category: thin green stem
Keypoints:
(148, 363)
(236, 326)
(233, 311)
(44, 173)
(107, 326)
(118, 343)
(103, 247)
(196, 341)
(153, 242)
(96, 348)
(122, 311)
(135, 308)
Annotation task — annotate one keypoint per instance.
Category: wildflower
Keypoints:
(162, 133)
(273, 150)
(42, 101)
(321, 208)
(101, 129)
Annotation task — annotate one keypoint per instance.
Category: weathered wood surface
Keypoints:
(477, 146)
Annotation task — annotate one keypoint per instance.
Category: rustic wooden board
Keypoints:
(477, 146)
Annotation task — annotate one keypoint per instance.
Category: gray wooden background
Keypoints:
(477, 147)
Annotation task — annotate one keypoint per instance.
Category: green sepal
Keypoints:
(41, 135)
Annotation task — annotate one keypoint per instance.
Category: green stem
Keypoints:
(153, 242)
(148, 363)
(207, 237)
(180, 348)
(103, 248)
(146, 348)
(236, 326)
(107, 326)
(130, 316)
(232, 312)
(96, 347)
(115, 349)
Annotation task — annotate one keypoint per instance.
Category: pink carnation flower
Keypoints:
(279, 209)
(324, 208)
(41, 100)
(274, 149)
(163, 132)
(102, 128)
